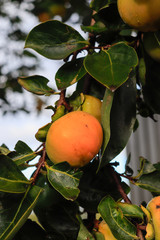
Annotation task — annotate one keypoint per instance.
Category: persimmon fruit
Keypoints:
(154, 207)
(75, 138)
(105, 230)
(143, 15)
(93, 106)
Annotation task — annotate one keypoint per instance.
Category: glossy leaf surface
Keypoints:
(112, 67)
(36, 84)
(11, 178)
(131, 210)
(65, 180)
(106, 110)
(15, 210)
(122, 119)
(70, 73)
(54, 40)
(120, 226)
(22, 154)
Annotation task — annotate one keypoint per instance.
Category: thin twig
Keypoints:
(120, 189)
(62, 101)
(40, 164)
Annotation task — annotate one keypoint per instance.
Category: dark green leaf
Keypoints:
(70, 73)
(60, 219)
(97, 5)
(122, 119)
(54, 40)
(98, 27)
(131, 210)
(93, 186)
(65, 180)
(120, 226)
(30, 231)
(14, 211)
(106, 109)
(112, 67)
(150, 182)
(36, 84)
(23, 153)
(11, 178)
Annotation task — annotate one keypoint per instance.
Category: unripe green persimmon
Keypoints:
(75, 138)
(93, 106)
(143, 15)
(152, 45)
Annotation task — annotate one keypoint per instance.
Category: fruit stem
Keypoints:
(120, 189)
(62, 101)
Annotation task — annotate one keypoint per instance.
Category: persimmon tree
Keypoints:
(70, 202)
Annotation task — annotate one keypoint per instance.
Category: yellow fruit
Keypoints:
(93, 106)
(105, 230)
(154, 208)
(143, 15)
(152, 45)
(75, 138)
(150, 232)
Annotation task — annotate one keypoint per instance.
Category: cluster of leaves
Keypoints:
(113, 65)
(13, 35)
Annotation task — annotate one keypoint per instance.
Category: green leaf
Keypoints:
(122, 119)
(30, 231)
(131, 210)
(54, 40)
(11, 178)
(70, 73)
(98, 235)
(105, 118)
(84, 233)
(93, 186)
(97, 5)
(23, 153)
(150, 182)
(112, 67)
(14, 211)
(120, 226)
(42, 132)
(64, 179)
(36, 84)
(60, 219)
(4, 150)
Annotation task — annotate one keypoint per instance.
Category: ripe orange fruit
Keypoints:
(143, 15)
(75, 138)
(93, 106)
